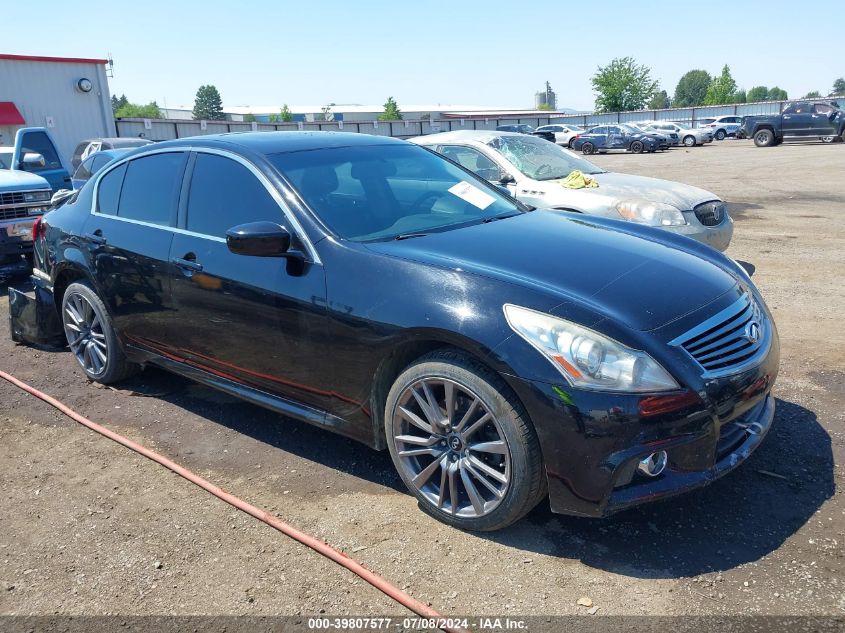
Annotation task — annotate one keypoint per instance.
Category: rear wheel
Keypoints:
(571, 142)
(827, 139)
(764, 138)
(90, 335)
(689, 141)
(636, 147)
(462, 443)
(588, 148)
(720, 135)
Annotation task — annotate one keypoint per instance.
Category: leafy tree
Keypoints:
(137, 111)
(118, 102)
(660, 101)
(691, 88)
(813, 94)
(838, 87)
(274, 118)
(722, 89)
(208, 105)
(544, 106)
(740, 96)
(285, 114)
(758, 93)
(249, 118)
(777, 94)
(623, 85)
(391, 111)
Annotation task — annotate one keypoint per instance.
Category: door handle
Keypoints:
(96, 237)
(187, 264)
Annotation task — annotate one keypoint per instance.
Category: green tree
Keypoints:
(391, 111)
(622, 85)
(285, 114)
(118, 102)
(777, 94)
(813, 94)
(838, 87)
(740, 96)
(691, 88)
(544, 106)
(137, 111)
(758, 93)
(660, 101)
(722, 89)
(208, 105)
(249, 118)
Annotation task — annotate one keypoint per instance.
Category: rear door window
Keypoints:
(151, 188)
(225, 194)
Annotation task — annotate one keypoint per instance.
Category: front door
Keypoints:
(37, 141)
(797, 119)
(128, 238)
(259, 321)
(616, 138)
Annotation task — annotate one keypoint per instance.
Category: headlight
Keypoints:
(651, 213)
(586, 358)
(36, 196)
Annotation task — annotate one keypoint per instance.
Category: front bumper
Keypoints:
(592, 442)
(33, 317)
(719, 236)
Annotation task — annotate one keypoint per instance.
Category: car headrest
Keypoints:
(319, 181)
(365, 170)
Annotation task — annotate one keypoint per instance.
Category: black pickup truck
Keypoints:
(799, 120)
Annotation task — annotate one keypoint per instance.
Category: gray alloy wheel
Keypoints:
(588, 148)
(571, 142)
(636, 147)
(689, 140)
(720, 135)
(461, 444)
(90, 336)
(827, 139)
(764, 138)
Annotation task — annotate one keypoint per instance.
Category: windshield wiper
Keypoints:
(408, 236)
(501, 216)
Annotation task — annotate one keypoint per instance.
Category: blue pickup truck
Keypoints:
(31, 171)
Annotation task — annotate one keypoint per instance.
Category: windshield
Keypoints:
(631, 128)
(5, 159)
(380, 192)
(539, 159)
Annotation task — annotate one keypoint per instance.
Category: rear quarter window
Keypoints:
(108, 191)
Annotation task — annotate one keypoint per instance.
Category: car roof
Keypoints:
(111, 153)
(458, 136)
(280, 142)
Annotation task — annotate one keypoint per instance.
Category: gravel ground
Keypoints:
(88, 527)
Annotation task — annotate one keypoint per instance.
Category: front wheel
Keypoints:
(689, 141)
(588, 148)
(636, 147)
(91, 337)
(462, 443)
(764, 138)
(827, 139)
(720, 135)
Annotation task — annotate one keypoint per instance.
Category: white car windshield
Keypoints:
(5, 160)
(540, 160)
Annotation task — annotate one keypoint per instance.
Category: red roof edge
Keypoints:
(9, 114)
(60, 60)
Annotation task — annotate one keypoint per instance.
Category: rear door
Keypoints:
(822, 120)
(260, 321)
(37, 141)
(128, 236)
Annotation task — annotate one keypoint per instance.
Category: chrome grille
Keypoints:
(711, 213)
(729, 339)
(12, 197)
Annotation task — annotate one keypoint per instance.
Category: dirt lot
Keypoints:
(88, 527)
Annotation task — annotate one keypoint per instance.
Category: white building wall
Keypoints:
(43, 90)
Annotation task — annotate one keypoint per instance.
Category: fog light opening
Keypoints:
(654, 464)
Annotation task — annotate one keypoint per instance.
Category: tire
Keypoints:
(436, 460)
(689, 141)
(827, 139)
(91, 337)
(764, 138)
(571, 143)
(588, 148)
(636, 147)
(720, 135)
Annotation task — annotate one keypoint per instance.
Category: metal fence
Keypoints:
(168, 129)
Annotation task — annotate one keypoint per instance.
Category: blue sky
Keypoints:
(484, 53)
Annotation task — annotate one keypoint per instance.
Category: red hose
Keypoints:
(317, 545)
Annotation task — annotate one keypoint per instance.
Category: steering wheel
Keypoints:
(416, 204)
(543, 169)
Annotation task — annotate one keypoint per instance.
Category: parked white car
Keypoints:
(533, 169)
(564, 132)
(722, 126)
(689, 136)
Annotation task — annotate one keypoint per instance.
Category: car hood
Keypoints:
(640, 283)
(14, 180)
(614, 188)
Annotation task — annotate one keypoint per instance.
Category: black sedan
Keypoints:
(603, 138)
(376, 289)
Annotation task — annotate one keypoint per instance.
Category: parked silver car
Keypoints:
(533, 169)
(689, 136)
(564, 132)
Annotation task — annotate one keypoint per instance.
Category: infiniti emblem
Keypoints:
(752, 331)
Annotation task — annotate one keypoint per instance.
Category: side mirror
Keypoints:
(259, 239)
(506, 179)
(32, 161)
